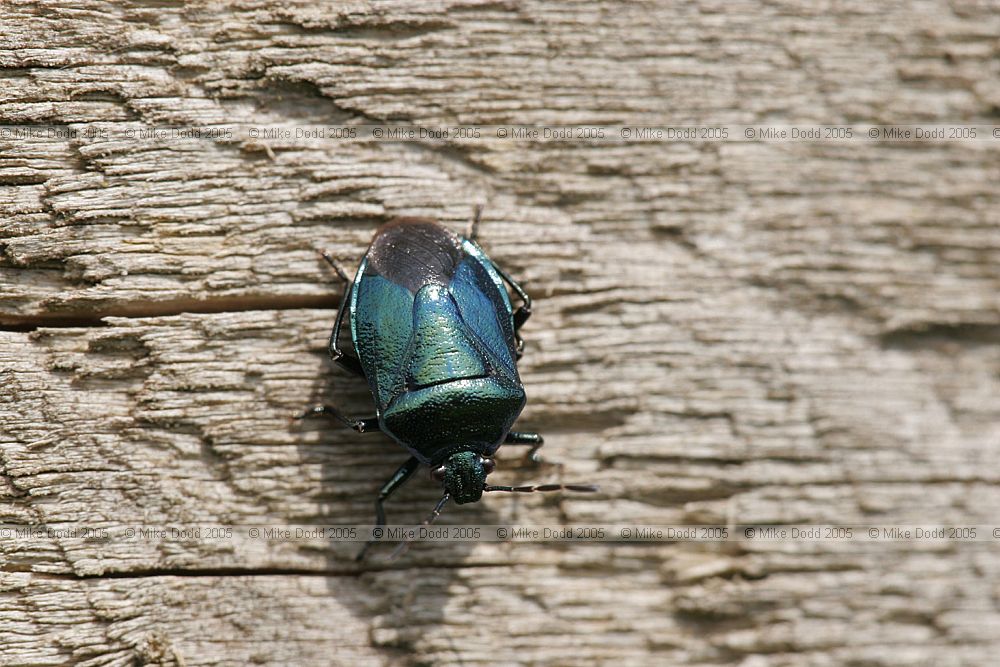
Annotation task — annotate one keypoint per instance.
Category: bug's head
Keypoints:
(464, 476)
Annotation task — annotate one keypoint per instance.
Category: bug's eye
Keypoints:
(489, 465)
(438, 474)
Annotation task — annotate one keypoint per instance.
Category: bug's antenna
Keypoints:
(405, 544)
(582, 488)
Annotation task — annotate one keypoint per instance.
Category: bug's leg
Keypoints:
(477, 215)
(366, 425)
(402, 474)
(522, 314)
(336, 267)
(534, 440)
(336, 354)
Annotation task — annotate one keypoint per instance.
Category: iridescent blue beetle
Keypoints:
(436, 337)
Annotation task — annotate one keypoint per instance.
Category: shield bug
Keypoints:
(437, 338)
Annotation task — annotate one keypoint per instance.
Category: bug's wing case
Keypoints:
(487, 311)
(381, 326)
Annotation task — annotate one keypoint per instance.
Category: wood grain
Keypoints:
(734, 332)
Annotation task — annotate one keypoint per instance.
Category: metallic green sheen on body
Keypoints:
(437, 346)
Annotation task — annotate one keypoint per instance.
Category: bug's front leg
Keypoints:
(366, 425)
(404, 473)
(534, 440)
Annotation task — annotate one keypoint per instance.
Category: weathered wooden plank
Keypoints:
(729, 332)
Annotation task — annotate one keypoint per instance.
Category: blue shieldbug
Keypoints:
(437, 339)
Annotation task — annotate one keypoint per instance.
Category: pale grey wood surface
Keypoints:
(734, 332)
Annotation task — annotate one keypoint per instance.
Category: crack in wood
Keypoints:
(135, 310)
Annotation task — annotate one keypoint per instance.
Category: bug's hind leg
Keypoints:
(534, 440)
(477, 215)
(522, 314)
(336, 267)
(336, 354)
(366, 425)
(350, 363)
(403, 473)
